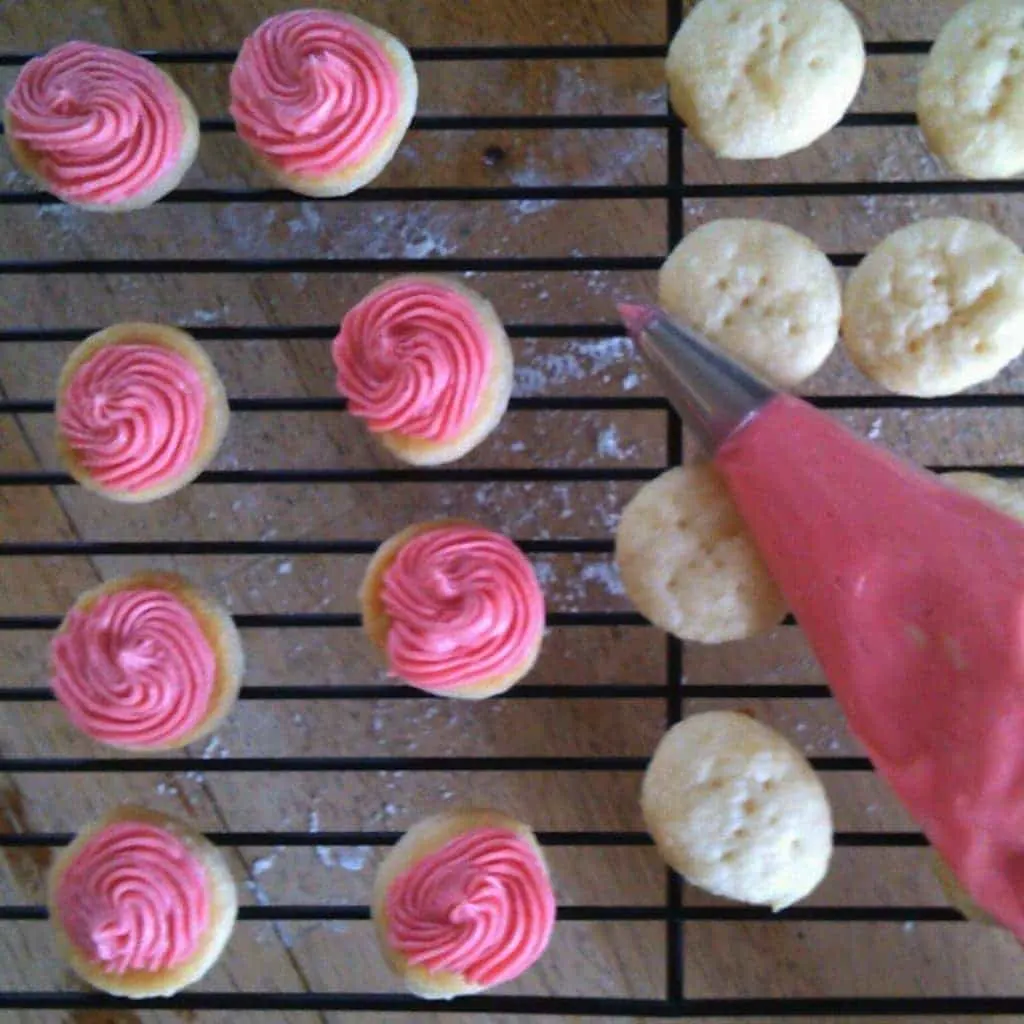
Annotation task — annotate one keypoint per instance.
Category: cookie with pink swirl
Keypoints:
(141, 412)
(463, 903)
(100, 128)
(322, 99)
(426, 364)
(142, 905)
(455, 608)
(146, 662)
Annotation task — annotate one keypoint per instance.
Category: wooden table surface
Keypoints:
(620, 959)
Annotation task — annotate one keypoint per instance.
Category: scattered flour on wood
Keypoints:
(605, 575)
(609, 445)
(262, 865)
(215, 748)
(547, 369)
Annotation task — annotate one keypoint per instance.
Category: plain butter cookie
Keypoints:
(936, 308)
(970, 99)
(688, 562)
(761, 291)
(761, 78)
(737, 810)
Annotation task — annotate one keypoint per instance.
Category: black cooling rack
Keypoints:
(674, 913)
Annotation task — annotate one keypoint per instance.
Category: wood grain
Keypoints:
(593, 959)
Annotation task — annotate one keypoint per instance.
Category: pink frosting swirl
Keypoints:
(481, 907)
(134, 899)
(464, 606)
(134, 669)
(314, 92)
(134, 415)
(414, 358)
(103, 124)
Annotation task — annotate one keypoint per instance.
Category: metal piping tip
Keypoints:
(714, 394)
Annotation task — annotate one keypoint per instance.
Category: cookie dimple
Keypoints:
(970, 100)
(937, 307)
(761, 78)
(737, 810)
(762, 291)
(689, 564)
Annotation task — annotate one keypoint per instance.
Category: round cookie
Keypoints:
(141, 412)
(755, 79)
(142, 905)
(737, 810)
(936, 308)
(1004, 495)
(456, 609)
(761, 291)
(100, 128)
(147, 662)
(322, 99)
(688, 562)
(970, 99)
(425, 362)
(446, 877)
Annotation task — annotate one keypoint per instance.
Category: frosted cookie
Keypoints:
(463, 903)
(761, 291)
(142, 905)
(970, 99)
(456, 609)
(688, 562)
(1004, 495)
(141, 412)
(426, 364)
(100, 128)
(761, 78)
(322, 99)
(936, 308)
(737, 810)
(146, 662)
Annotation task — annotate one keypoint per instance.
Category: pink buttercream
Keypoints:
(104, 124)
(414, 358)
(134, 414)
(314, 92)
(135, 669)
(134, 899)
(464, 606)
(481, 907)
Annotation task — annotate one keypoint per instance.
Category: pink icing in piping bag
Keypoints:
(911, 594)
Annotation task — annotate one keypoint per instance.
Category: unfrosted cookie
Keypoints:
(762, 78)
(688, 562)
(1007, 497)
(737, 810)
(936, 308)
(762, 291)
(970, 99)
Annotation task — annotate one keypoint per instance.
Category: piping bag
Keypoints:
(911, 595)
